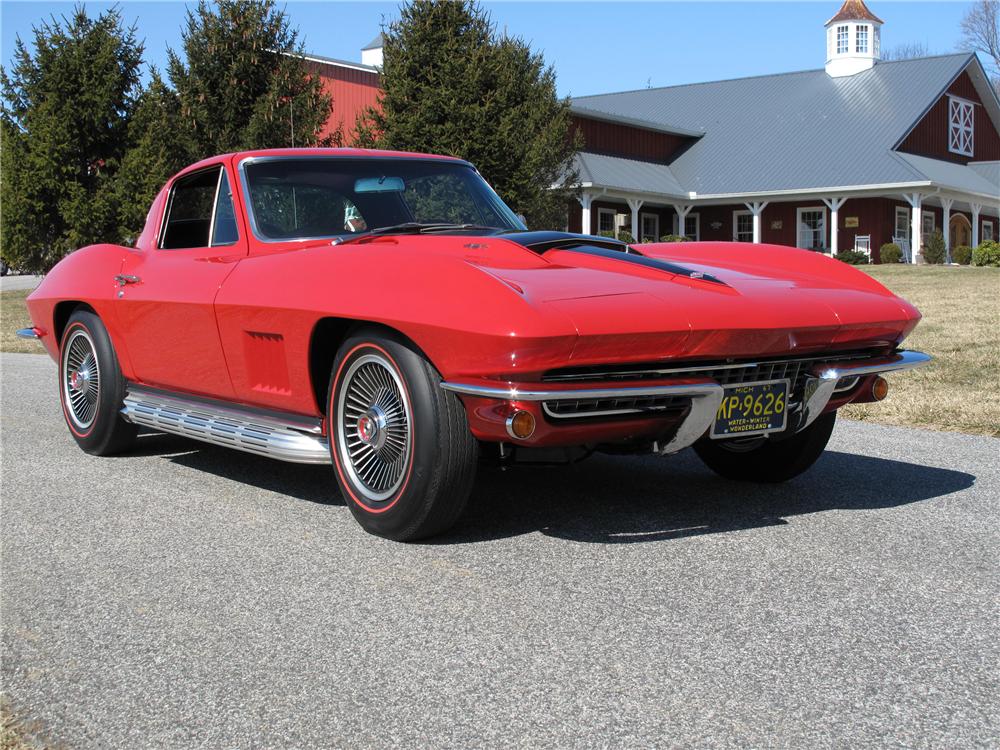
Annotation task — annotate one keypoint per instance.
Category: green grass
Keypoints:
(959, 391)
(14, 315)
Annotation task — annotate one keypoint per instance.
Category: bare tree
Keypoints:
(906, 51)
(981, 33)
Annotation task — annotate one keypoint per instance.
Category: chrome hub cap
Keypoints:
(374, 434)
(81, 379)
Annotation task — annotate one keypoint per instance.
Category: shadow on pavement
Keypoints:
(608, 499)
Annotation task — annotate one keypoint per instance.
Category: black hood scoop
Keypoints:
(604, 247)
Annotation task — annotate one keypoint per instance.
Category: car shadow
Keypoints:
(608, 499)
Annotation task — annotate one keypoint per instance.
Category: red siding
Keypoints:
(930, 136)
(627, 141)
(352, 90)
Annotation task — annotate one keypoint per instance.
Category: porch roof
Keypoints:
(957, 177)
(615, 173)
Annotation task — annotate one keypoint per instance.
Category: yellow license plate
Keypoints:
(752, 409)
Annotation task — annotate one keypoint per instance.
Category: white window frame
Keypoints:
(906, 214)
(961, 126)
(696, 218)
(927, 227)
(656, 233)
(736, 224)
(861, 39)
(842, 39)
(614, 220)
(824, 233)
(992, 232)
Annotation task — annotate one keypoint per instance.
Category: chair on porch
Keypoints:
(904, 245)
(863, 244)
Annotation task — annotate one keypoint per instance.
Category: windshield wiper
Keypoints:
(413, 227)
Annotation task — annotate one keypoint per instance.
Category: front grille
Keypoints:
(600, 407)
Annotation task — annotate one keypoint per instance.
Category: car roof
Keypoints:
(354, 153)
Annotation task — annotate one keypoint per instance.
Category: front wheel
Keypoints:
(773, 462)
(404, 456)
(91, 387)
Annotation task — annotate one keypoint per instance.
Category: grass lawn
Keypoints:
(959, 391)
(14, 315)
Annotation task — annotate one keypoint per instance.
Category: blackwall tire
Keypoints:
(402, 450)
(772, 462)
(91, 387)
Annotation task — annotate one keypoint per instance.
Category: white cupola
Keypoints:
(853, 38)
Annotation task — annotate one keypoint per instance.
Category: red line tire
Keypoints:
(402, 451)
(771, 462)
(92, 388)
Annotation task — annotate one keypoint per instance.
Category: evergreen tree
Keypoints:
(158, 147)
(452, 85)
(242, 84)
(65, 115)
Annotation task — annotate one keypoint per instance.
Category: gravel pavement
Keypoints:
(187, 596)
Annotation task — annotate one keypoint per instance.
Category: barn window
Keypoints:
(811, 228)
(862, 40)
(988, 231)
(842, 39)
(961, 126)
(650, 228)
(606, 223)
(742, 226)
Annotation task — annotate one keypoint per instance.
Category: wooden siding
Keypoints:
(626, 141)
(352, 91)
(930, 136)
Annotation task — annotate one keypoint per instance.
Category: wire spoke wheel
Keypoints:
(81, 378)
(374, 427)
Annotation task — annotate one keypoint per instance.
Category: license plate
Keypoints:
(752, 409)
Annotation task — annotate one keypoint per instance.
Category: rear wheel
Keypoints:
(771, 461)
(403, 453)
(91, 387)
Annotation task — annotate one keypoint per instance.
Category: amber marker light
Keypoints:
(521, 425)
(880, 388)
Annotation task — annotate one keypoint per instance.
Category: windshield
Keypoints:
(315, 197)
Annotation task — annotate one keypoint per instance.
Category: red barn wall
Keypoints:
(930, 136)
(352, 90)
(626, 141)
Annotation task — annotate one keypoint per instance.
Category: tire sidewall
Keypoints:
(95, 438)
(406, 508)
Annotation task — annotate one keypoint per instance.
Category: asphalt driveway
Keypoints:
(189, 596)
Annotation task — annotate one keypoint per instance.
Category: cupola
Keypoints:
(853, 38)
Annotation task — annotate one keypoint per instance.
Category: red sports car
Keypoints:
(387, 313)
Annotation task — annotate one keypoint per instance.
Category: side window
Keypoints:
(224, 226)
(194, 217)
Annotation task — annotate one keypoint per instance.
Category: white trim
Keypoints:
(958, 128)
(656, 234)
(824, 234)
(905, 213)
(614, 220)
(737, 214)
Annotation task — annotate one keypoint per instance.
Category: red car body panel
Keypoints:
(237, 322)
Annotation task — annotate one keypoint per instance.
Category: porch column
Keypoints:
(976, 209)
(834, 205)
(916, 241)
(756, 208)
(946, 204)
(634, 205)
(585, 200)
(682, 209)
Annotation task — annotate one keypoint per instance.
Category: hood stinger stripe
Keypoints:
(632, 256)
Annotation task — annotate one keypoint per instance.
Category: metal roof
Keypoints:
(627, 174)
(949, 175)
(793, 131)
(990, 170)
(854, 10)
(375, 43)
(659, 127)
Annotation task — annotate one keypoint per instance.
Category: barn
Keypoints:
(849, 156)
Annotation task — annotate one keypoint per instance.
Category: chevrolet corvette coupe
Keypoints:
(388, 314)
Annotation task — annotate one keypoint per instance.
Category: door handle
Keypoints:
(123, 278)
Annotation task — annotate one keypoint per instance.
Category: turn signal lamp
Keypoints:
(880, 388)
(521, 424)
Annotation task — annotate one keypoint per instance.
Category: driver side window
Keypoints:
(200, 212)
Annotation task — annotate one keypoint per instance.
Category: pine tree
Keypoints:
(64, 122)
(242, 84)
(451, 84)
(158, 147)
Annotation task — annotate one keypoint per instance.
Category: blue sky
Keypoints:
(595, 46)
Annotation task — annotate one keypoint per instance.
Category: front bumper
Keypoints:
(490, 404)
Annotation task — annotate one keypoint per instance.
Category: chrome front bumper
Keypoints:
(705, 395)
